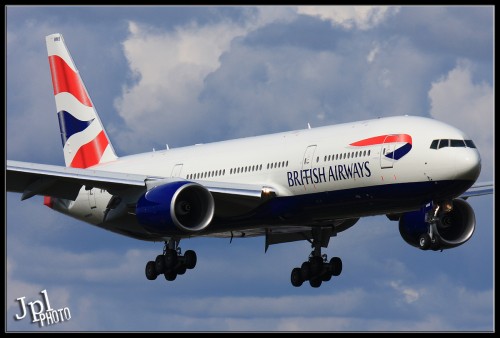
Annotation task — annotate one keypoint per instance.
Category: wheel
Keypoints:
(326, 276)
(336, 266)
(305, 270)
(181, 269)
(296, 277)
(151, 270)
(190, 259)
(316, 265)
(170, 275)
(315, 282)
(170, 259)
(424, 241)
(160, 264)
(435, 243)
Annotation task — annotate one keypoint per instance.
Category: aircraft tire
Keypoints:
(305, 270)
(424, 241)
(190, 259)
(316, 265)
(170, 259)
(315, 282)
(170, 275)
(181, 269)
(326, 275)
(296, 277)
(160, 264)
(151, 270)
(435, 244)
(336, 266)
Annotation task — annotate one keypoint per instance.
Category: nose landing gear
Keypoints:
(436, 217)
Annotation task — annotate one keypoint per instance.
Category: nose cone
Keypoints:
(468, 165)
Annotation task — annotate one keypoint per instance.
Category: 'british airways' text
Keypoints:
(327, 174)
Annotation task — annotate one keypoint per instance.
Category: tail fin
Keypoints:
(84, 139)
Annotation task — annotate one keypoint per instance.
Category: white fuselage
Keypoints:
(316, 162)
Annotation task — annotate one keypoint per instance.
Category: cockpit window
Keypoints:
(457, 143)
(443, 143)
(438, 144)
(470, 144)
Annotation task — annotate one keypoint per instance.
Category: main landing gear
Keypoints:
(316, 269)
(171, 263)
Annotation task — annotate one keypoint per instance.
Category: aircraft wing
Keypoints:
(478, 189)
(32, 179)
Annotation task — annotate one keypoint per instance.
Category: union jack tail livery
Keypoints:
(83, 136)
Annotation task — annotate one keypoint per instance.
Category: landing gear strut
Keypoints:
(317, 269)
(171, 263)
(430, 239)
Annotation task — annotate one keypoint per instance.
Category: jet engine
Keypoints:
(182, 205)
(451, 228)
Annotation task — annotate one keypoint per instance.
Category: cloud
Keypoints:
(410, 295)
(455, 98)
(373, 53)
(170, 68)
(349, 17)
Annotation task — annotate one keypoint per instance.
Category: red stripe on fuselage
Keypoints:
(90, 153)
(383, 139)
(64, 79)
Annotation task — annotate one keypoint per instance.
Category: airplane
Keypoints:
(308, 184)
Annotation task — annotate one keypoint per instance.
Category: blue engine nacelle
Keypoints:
(453, 228)
(182, 205)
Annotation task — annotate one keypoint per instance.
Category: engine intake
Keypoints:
(182, 205)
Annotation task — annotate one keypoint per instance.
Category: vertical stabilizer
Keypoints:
(84, 139)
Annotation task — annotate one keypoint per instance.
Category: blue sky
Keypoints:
(184, 75)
